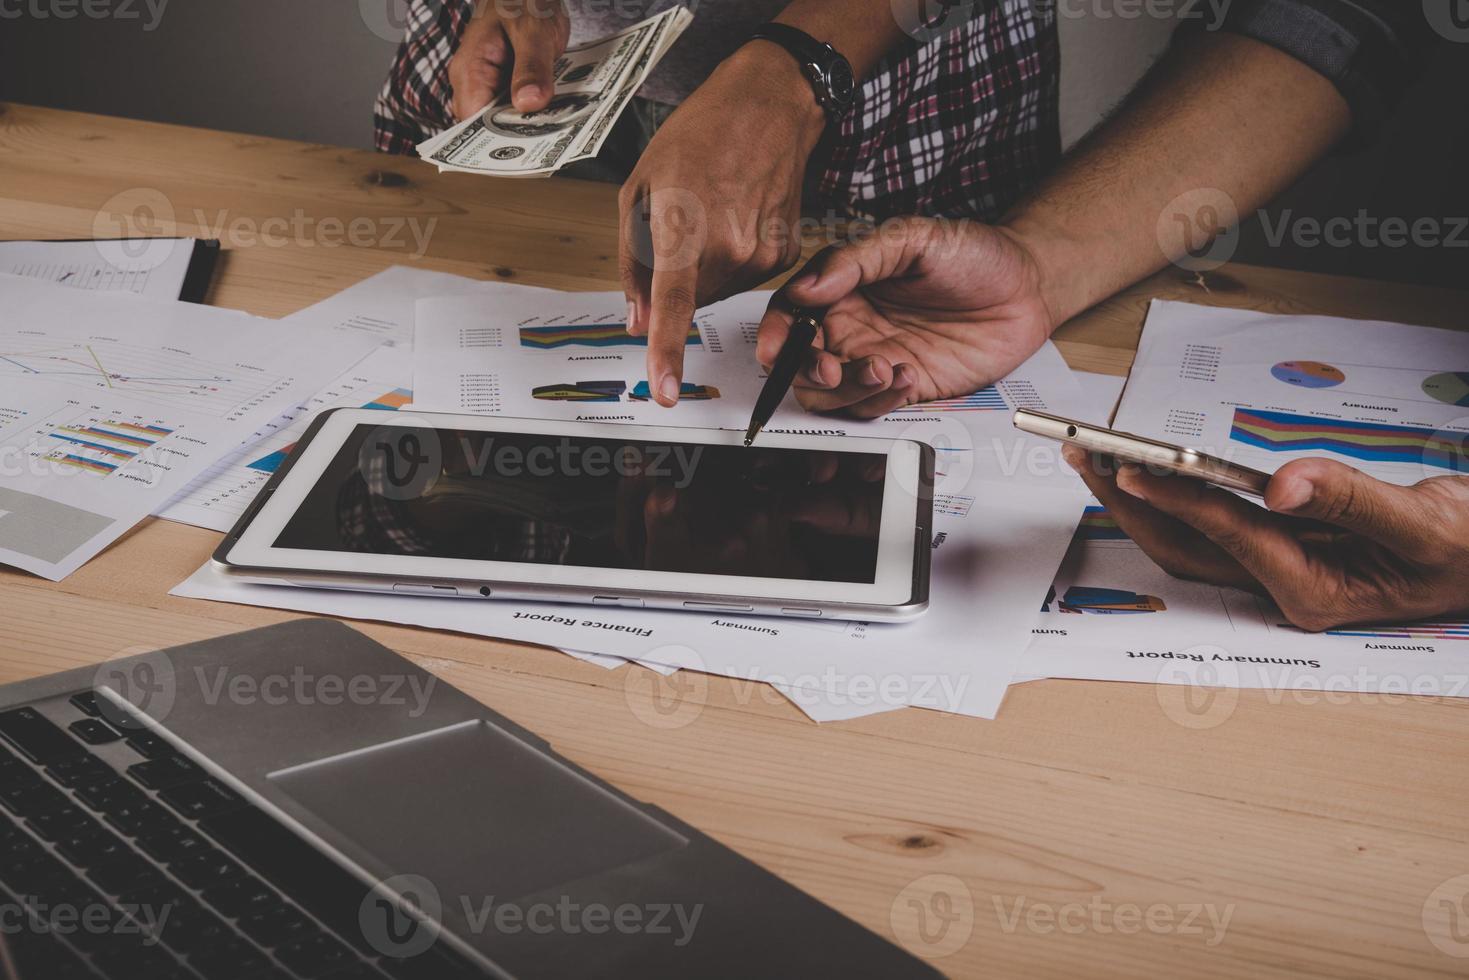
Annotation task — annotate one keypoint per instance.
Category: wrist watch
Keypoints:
(830, 74)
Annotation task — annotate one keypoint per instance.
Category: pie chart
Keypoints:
(1308, 374)
(1451, 388)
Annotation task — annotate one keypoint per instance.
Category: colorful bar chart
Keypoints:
(985, 400)
(273, 461)
(103, 447)
(392, 401)
(1440, 629)
(1279, 432)
(85, 463)
(589, 335)
(581, 391)
(1098, 524)
(688, 393)
(1110, 602)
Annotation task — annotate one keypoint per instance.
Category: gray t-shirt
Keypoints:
(719, 28)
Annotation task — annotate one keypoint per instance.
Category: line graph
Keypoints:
(159, 375)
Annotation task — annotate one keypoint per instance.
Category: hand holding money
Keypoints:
(531, 37)
(519, 135)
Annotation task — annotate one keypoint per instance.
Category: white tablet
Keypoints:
(626, 515)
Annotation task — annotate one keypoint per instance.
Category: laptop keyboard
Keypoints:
(144, 831)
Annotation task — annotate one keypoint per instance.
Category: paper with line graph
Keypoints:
(220, 496)
(110, 404)
(379, 307)
(1389, 399)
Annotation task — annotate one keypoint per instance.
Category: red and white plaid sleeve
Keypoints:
(961, 124)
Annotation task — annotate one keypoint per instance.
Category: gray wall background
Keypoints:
(299, 69)
(310, 69)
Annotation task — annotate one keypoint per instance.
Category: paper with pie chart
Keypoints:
(1262, 389)
(1387, 398)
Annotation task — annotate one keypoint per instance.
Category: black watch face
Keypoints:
(842, 82)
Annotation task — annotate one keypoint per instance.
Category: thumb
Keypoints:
(537, 43)
(888, 252)
(1327, 491)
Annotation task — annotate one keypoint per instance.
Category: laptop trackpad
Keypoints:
(476, 811)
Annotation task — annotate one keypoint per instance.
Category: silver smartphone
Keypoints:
(603, 514)
(1147, 452)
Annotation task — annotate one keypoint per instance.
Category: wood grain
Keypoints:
(1320, 827)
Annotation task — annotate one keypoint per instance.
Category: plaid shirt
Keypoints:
(961, 125)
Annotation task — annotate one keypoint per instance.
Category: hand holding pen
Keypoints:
(922, 310)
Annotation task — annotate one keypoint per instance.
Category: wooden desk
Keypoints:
(1320, 829)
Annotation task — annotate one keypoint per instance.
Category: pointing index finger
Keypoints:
(671, 318)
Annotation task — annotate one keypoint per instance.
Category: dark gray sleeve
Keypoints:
(1371, 50)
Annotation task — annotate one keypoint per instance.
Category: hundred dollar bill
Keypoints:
(593, 84)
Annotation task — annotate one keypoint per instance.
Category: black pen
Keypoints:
(787, 365)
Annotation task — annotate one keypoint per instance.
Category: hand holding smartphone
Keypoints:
(1145, 452)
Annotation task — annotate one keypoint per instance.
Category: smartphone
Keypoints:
(1147, 452)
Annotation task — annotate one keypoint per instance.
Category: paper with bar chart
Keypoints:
(112, 403)
(506, 349)
(1112, 614)
(1263, 390)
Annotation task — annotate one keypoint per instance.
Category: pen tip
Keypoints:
(749, 441)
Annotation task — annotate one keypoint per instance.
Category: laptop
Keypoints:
(301, 802)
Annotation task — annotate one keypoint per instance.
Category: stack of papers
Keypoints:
(1006, 506)
(112, 404)
(1262, 390)
(117, 406)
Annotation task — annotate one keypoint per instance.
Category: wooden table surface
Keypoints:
(1092, 830)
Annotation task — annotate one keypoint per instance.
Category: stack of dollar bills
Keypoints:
(594, 83)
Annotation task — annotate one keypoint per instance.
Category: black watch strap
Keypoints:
(793, 39)
(830, 74)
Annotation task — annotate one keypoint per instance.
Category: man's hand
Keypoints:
(714, 205)
(1335, 547)
(922, 309)
(513, 44)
